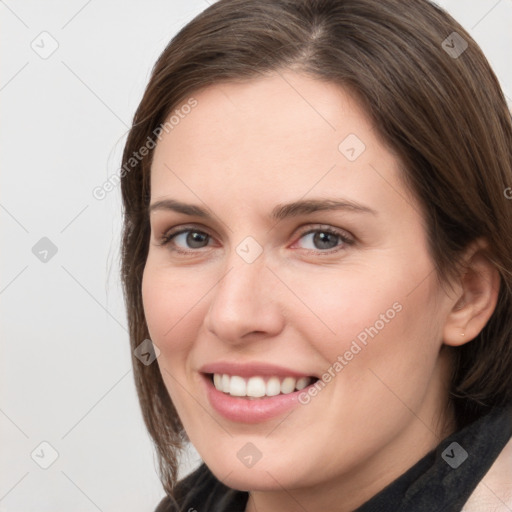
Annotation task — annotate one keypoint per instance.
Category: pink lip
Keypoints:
(243, 410)
(252, 370)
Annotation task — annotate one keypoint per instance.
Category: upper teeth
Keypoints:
(256, 386)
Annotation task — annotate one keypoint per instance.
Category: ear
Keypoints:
(477, 296)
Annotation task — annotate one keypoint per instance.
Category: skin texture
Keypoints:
(245, 148)
(494, 492)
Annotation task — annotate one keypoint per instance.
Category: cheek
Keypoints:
(169, 307)
(375, 319)
(392, 356)
(335, 308)
(171, 319)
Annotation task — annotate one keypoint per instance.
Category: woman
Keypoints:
(318, 241)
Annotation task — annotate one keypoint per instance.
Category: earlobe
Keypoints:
(477, 298)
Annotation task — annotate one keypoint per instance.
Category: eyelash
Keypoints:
(167, 238)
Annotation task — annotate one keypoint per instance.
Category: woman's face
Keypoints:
(269, 284)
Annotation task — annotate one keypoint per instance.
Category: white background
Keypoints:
(65, 374)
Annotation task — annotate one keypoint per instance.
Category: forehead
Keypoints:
(282, 110)
(282, 134)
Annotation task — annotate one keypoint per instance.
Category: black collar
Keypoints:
(444, 479)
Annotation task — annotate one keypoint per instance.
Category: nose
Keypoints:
(244, 305)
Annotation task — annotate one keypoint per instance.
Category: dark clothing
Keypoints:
(442, 481)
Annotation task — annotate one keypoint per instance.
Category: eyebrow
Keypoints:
(279, 212)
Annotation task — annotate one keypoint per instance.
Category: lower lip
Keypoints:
(244, 410)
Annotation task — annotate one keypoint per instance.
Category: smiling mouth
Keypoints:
(258, 386)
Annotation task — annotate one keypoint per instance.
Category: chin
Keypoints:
(270, 473)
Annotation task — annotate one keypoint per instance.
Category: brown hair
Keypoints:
(443, 114)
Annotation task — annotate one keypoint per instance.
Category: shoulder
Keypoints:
(201, 489)
(494, 491)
